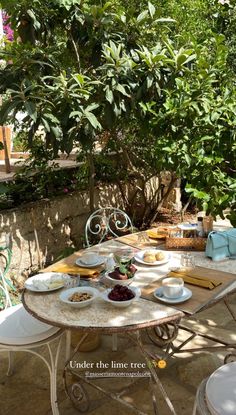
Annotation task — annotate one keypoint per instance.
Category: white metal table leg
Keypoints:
(10, 369)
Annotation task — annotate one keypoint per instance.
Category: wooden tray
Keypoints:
(202, 297)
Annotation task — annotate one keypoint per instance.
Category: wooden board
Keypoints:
(140, 240)
(201, 297)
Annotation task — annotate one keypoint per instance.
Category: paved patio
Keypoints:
(27, 391)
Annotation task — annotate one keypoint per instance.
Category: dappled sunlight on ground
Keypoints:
(183, 374)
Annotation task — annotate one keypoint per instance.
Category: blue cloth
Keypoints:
(221, 245)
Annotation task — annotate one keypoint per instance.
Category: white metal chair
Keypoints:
(106, 222)
(216, 395)
(19, 331)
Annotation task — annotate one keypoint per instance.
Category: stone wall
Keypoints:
(41, 230)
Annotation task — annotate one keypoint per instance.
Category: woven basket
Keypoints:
(191, 244)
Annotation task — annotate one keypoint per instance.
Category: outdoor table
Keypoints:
(161, 320)
(104, 318)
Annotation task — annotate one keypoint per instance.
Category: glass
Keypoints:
(183, 261)
(187, 261)
(175, 263)
(143, 237)
(71, 281)
(110, 263)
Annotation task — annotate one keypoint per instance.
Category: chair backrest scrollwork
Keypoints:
(5, 283)
(107, 222)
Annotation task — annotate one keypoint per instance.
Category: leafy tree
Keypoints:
(83, 68)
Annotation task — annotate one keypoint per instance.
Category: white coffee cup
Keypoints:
(172, 287)
(89, 259)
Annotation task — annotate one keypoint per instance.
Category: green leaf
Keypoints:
(92, 107)
(122, 90)
(4, 189)
(151, 9)
(36, 23)
(214, 116)
(109, 95)
(122, 269)
(31, 110)
(183, 59)
(149, 81)
(165, 20)
(75, 113)
(79, 79)
(56, 132)
(142, 16)
(93, 120)
(188, 159)
(46, 125)
(51, 117)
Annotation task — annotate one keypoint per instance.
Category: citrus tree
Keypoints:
(80, 71)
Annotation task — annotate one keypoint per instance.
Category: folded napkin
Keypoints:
(199, 281)
(74, 269)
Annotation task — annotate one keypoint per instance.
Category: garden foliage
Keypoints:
(152, 82)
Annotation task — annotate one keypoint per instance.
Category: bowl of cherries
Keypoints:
(121, 296)
(123, 272)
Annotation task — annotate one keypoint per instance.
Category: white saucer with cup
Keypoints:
(172, 291)
(89, 259)
(172, 287)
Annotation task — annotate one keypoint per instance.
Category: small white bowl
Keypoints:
(64, 296)
(121, 304)
(114, 282)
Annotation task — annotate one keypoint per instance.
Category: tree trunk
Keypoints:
(91, 180)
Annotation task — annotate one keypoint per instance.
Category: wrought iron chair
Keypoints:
(215, 394)
(107, 223)
(19, 331)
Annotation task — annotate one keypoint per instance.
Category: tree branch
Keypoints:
(76, 51)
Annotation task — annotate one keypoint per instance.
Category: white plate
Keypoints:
(187, 226)
(96, 264)
(121, 304)
(158, 293)
(44, 278)
(67, 293)
(139, 257)
(221, 390)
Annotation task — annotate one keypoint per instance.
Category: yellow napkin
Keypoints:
(196, 280)
(74, 269)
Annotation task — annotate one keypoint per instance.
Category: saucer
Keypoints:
(158, 293)
(80, 263)
(89, 259)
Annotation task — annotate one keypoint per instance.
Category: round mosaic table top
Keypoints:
(100, 315)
